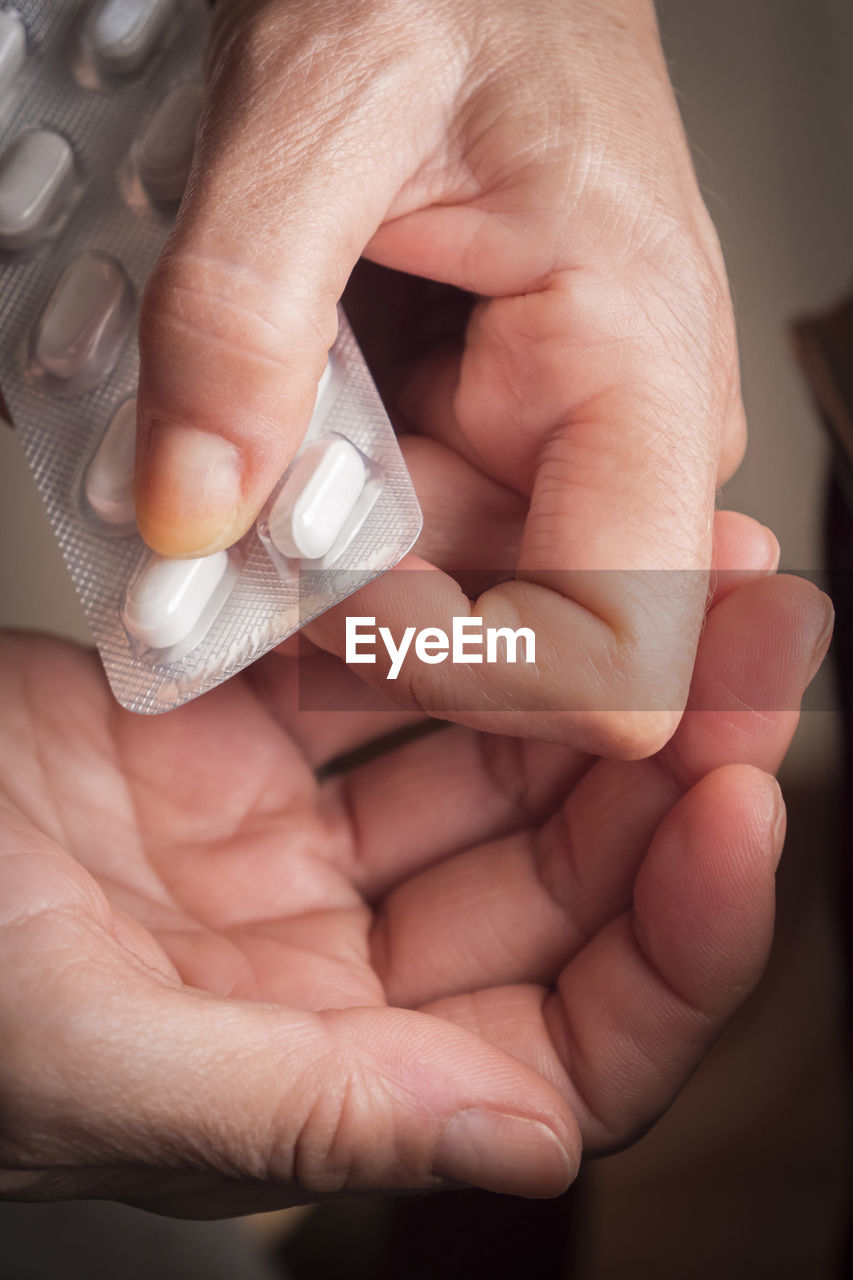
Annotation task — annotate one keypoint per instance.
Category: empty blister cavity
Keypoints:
(84, 324)
(108, 483)
(122, 35)
(96, 134)
(164, 150)
(170, 605)
(37, 188)
(13, 49)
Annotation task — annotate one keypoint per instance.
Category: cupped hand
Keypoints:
(533, 156)
(228, 985)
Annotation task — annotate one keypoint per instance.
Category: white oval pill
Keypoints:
(84, 323)
(13, 48)
(167, 598)
(123, 34)
(109, 477)
(317, 498)
(37, 184)
(164, 150)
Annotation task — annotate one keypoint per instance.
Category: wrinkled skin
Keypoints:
(531, 155)
(229, 986)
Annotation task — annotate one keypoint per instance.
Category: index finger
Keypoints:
(602, 402)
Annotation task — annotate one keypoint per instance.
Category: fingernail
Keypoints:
(503, 1153)
(822, 643)
(189, 498)
(780, 822)
(773, 552)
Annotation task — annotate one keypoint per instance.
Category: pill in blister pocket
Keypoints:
(167, 599)
(109, 477)
(317, 498)
(13, 48)
(164, 150)
(37, 184)
(97, 127)
(84, 323)
(123, 34)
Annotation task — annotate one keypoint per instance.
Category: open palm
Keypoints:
(228, 985)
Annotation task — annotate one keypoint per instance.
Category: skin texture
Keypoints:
(231, 986)
(234, 986)
(531, 156)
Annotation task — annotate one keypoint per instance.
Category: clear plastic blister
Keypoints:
(99, 103)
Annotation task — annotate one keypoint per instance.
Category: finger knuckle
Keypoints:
(226, 306)
(703, 302)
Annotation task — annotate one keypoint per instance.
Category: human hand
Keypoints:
(532, 155)
(228, 986)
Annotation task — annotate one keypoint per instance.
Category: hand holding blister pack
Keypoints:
(100, 101)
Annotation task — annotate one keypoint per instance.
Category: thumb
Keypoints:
(214, 1103)
(301, 151)
(366, 1099)
(118, 1080)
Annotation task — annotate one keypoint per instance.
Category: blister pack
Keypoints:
(99, 102)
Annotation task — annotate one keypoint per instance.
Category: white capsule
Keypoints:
(13, 48)
(123, 34)
(164, 149)
(37, 183)
(167, 598)
(84, 323)
(317, 498)
(109, 477)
